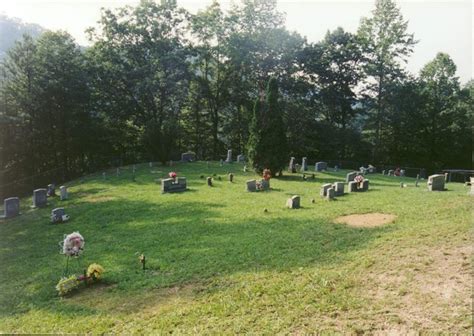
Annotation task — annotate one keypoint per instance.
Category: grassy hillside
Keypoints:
(219, 264)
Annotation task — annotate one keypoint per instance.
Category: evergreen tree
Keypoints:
(268, 144)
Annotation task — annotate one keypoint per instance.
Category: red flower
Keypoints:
(267, 174)
(359, 178)
(172, 174)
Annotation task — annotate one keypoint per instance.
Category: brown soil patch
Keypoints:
(366, 220)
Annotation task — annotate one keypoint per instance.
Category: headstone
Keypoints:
(313, 176)
(293, 202)
(240, 158)
(383, 172)
(350, 176)
(436, 182)
(417, 181)
(330, 194)
(402, 172)
(58, 215)
(170, 185)
(352, 186)
(390, 172)
(51, 190)
(446, 175)
(251, 185)
(63, 194)
(297, 167)
(338, 188)
(221, 162)
(209, 181)
(365, 185)
(231, 177)
(39, 198)
(11, 207)
(265, 184)
(324, 189)
(291, 165)
(245, 168)
(320, 166)
(304, 164)
(362, 170)
(188, 157)
(336, 168)
(118, 172)
(229, 156)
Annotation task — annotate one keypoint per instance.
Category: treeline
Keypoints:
(157, 81)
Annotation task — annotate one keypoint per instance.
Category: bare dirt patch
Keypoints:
(366, 220)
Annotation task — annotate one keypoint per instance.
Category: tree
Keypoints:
(386, 45)
(268, 144)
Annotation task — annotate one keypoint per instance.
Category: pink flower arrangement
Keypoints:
(172, 175)
(359, 178)
(267, 174)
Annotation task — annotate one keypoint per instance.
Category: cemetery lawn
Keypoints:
(218, 264)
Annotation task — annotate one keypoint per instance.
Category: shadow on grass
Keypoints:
(184, 243)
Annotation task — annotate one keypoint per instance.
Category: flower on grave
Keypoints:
(258, 186)
(359, 178)
(66, 285)
(172, 175)
(73, 244)
(267, 174)
(94, 272)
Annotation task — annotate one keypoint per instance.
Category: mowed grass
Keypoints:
(218, 264)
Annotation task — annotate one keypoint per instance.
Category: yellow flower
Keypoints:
(95, 271)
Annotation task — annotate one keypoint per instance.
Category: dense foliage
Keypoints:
(157, 81)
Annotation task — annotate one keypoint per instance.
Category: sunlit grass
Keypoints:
(217, 263)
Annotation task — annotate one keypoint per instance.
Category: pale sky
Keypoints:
(438, 25)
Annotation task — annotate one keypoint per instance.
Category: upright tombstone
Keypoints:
(324, 189)
(221, 162)
(170, 185)
(446, 177)
(209, 181)
(58, 215)
(417, 181)
(293, 202)
(336, 168)
(251, 185)
(265, 184)
(245, 169)
(40, 198)
(229, 156)
(338, 188)
(436, 182)
(231, 177)
(11, 207)
(390, 172)
(291, 165)
(352, 186)
(320, 166)
(304, 164)
(383, 172)
(51, 190)
(402, 172)
(365, 185)
(63, 194)
(330, 194)
(188, 157)
(351, 176)
(240, 158)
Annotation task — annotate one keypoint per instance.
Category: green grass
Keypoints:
(218, 264)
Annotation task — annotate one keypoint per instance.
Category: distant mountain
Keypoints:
(12, 29)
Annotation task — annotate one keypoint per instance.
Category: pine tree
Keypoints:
(267, 147)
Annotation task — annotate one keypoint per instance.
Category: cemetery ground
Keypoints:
(218, 264)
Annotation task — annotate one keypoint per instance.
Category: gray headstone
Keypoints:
(324, 189)
(402, 172)
(352, 186)
(231, 177)
(251, 185)
(40, 198)
(338, 188)
(265, 184)
(170, 185)
(365, 185)
(188, 157)
(390, 172)
(351, 176)
(293, 202)
(320, 166)
(221, 162)
(291, 165)
(436, 182)
(51, 191)
(63, 194)
(245, 169)
(240, 158)
(11, 207)
(330, 194)
(304, 164)
(383, 172)
(58, 215)
(209, 181)
(229, 156)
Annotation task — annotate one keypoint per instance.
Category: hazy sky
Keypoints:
(438, 25)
